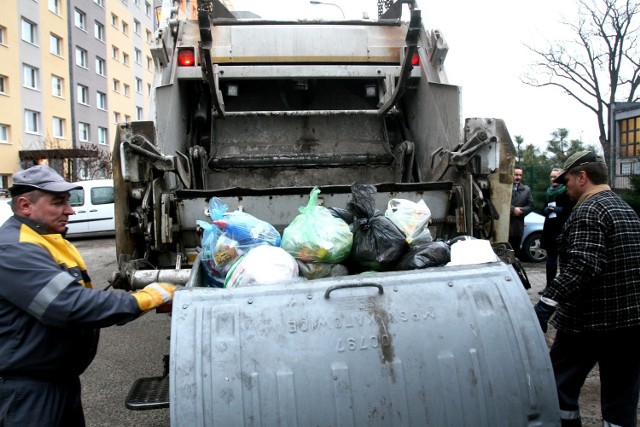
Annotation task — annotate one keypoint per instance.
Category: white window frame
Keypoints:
(58, 127)
(125, 28)
(3, 35)
(102, 135)
(82, 94)
(57, 86)
(99, 3)
(30, 77)
(139, 85)
(55, 45)
(125, 58)
(147, 8)
(138, 56)
(32, 121)
(126, 90)
(116, 85)
(29, 31)
(136, 26)
(139, 113)
(116, 117)
(4, 133)
(4, 84)
(84, 132)
(81, 57)
(101, 100)
(101, 66)
(98, 30)
(80, 19)
(54, 6)
(115, 52)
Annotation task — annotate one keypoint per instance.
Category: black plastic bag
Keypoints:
(377, 242)
(431, 254)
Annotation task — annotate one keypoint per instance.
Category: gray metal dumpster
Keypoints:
(449, 346)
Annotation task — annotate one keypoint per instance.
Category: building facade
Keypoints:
(71, 70)
(626, 141)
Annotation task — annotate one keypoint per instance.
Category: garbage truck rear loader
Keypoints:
(257, 112)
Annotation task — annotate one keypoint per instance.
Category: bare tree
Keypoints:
(600, 65)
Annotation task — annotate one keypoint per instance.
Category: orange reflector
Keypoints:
(186, 57)
(415, 59)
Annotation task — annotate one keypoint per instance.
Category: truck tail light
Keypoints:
(186, 57)
(415, 59)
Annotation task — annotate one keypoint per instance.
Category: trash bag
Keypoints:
(377, 242)
(319, 270)
(213, 275)
(430, 254)
(412, 218)
(262, 265)
(315, 235)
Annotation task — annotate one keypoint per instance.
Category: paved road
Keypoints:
(135, 350)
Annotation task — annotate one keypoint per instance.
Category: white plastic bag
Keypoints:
(410, 217)
(264, 265)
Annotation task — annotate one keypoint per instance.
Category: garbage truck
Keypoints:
(256, 109)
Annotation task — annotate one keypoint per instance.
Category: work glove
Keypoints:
(544, 312)
(154, 295)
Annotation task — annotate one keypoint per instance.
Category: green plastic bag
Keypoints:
(315, 235)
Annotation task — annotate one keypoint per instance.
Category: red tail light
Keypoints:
(415, 59)
(186, 57)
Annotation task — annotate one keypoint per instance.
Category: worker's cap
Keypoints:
(580, 158)
(39, 177)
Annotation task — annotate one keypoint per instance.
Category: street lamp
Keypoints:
(327, 3)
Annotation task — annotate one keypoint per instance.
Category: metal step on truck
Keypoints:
(256, 109)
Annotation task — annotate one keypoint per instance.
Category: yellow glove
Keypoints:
(154, 295)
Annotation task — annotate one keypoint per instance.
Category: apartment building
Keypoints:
(70, 70)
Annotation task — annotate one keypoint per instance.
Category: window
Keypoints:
(138, 56)
(57, 86)
(99, 2)
(98, 30)
(125, 58)
(147, 8)
(29, 31)
(81, 57)
(138, 85)
(148, 89)
(83, 131)
(149, 63)
(31, 121)
(115, 52)
(4, 84)
(136, 2)
(136, 26)
(80, 19)
(54, 6)
(116, 85)
(83, 94)
(30, 75)
(102, 136)
(148, 36)
(55, 45)
(127, 118)
(3, 35)
(629, 137)
(126, 89)
(101, 100)
(114, 20)
(58, 127)
(101, 66)
(4, 133)
(125, 28)
(138, 113)
(116, 117)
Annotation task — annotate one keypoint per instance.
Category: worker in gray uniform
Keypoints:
(50, 315)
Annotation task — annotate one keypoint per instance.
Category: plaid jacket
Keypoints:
(598, 288)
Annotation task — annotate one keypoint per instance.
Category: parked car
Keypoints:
(5, 210)
(530, 244)
(94, 208)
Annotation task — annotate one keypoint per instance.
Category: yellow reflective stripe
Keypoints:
(61, 250)
(570, 415)
(48, 293)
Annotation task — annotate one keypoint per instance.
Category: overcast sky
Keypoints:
(487, 57)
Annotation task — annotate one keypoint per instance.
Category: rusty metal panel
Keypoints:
(449, 346)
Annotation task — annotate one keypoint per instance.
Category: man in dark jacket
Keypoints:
(521, 205)
(557, 209)
(49, 314)
(596, 296)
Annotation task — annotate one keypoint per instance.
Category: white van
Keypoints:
(94, 208)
